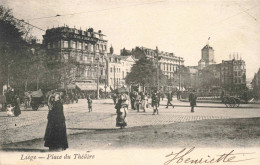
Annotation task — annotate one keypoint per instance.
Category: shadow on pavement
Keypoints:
(5, 116)
(223, 106)
(94, 129)
(109, 103)
(23, 150)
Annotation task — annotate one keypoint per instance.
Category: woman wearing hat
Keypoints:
(55, 134)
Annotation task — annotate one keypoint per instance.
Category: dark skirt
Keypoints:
(17, 111)
(55, 135)
(121, 120)
(193, 103)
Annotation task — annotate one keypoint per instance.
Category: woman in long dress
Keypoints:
(121, 111)
(55, 134)
(17, 110)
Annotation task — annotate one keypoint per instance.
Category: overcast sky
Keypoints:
(182, 27)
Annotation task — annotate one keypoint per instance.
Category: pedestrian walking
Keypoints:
(162, 96)
(155, 102)
(169, 99)
(89, 104)
(17, 110)
(55, 135)
(138, 101)
(159, 98)
(121, 111)
(222, 95)
(143, 100)
(178, 95)
(132, 100)
(192, 100)
(114, 96)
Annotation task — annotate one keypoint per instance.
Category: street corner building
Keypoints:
(81, 54)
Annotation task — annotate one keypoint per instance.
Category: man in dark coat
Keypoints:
(192, 100)
(178, 94)
(132, 99)
(114, 96)
(55, 134)
(159, 98)
(222, 96)
(169, 98)
(138, 101)
(155, 102)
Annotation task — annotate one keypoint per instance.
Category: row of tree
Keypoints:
(23, 63)
(144, 73)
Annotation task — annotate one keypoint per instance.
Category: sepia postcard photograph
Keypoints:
(130, 82)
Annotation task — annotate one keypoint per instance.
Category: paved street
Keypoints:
(31, 124)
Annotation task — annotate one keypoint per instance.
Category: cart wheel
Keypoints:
(226, 101)
(35, 107)
(232, 102)
(237, 103)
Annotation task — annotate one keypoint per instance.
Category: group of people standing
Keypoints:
(138, 101)
(55, 135)
(12, 103)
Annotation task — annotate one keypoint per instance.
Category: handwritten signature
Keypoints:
(183, 157)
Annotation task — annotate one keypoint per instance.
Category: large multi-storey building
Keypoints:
(256, 85)
(118, 68)
(168, 62)
(85, 49)
(233, 72)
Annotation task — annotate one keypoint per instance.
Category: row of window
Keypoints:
(117, 80)
(114, 59)
(171, 61)
(237, 73)
(168, 67)
(76, 45)
(117, 70)
(237, 80)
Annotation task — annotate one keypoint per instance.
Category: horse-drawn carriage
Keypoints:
(231, 101)
(34, 99)
(234, 101)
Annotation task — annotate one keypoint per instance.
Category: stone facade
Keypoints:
(79, 47)
(118, 68)
(233, 72)
(168, 62)
(256, 85)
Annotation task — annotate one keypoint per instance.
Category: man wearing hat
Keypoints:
(155, 102)
(192, 100)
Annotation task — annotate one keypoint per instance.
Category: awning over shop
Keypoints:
(71, 86)
(87, 86)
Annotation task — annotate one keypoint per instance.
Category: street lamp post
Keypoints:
(6, 65)
(97, 71)
(179, 73)
(114, 77)
(157, 69)
(106, 79)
